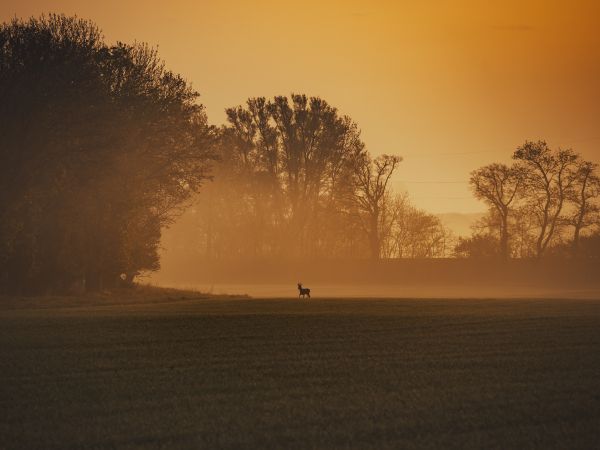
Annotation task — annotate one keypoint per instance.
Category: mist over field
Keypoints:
(332, 291)
(318, 225)
(423, 278)
(121, 173)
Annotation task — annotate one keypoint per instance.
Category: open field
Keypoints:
(278, 373)
(394, 291)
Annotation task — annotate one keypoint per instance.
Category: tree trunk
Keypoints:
(374, 238)
(504, 236)
(577, 231)
(504, 244)
(575, 245)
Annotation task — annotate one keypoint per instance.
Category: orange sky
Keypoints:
(449, 85)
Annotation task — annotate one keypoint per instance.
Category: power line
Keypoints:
(479, 152)
(434, 182)
(441, 198)
(449, 154)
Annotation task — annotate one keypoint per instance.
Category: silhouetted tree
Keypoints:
(418, 234)
(285, 167)
(533, 202)
(316, 146)
(294, 180)
(477, 246)
(524, 232)
(100, 147)
(548, 181)
(498, 185)
(584, 196)
(373, 198)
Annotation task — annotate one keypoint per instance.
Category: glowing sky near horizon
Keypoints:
(449, 85)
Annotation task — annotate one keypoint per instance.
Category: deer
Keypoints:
(303, 292)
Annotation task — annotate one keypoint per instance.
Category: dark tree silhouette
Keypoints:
(292, 159)
(100, 146)
(584, 195)
(373, 196)
(549, 178)
(477, 246)
(316, 145)
(534, 202)
(498, 185)
(294, 181)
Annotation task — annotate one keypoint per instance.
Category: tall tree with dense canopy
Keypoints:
(292, 158)
(100, 146)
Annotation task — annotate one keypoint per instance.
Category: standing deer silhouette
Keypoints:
(303, 292)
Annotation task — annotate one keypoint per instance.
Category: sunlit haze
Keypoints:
(448, 85)
(309, 224)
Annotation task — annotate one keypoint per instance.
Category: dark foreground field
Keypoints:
(190, 373)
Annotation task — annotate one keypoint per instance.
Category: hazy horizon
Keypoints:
(266, 224)
(449, 88)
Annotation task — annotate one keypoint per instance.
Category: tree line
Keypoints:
(102, 147)
(293, 179)
(547, 203)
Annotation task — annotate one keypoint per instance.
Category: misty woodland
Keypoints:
(102, 147)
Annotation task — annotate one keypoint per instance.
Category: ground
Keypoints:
(186, 371)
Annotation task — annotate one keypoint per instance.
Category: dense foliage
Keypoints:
(99, 146)
(294, 180)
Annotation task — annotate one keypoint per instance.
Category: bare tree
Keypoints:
(548, 181)
(498, 185)
(584, 194)
(418, 234)
(373, 197)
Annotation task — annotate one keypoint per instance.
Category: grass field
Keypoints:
(337, 373)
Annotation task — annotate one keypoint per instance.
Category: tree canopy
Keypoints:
(100, 146)
(540, 205)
